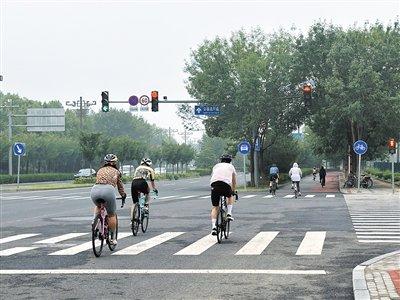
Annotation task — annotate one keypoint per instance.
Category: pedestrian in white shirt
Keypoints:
(295, 175)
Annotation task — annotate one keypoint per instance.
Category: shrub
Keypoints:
(81, 180)
(40, 177)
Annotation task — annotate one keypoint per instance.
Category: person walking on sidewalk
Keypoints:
(322, 175)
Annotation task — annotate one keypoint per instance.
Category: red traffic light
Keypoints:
(307, 89)
(392, 143)
(154, 100)
(154, 95)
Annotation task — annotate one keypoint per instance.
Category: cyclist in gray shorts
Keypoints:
(108, 178)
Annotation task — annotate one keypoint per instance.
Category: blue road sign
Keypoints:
(133, 100)
(206, 110)
(257, 145)
(244, 147)
(19, 149)
(360, 147)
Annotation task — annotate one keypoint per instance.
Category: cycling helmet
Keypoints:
(110, 158)
(226, 158)
(146, 161)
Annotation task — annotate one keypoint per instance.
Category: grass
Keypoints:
(48, 186)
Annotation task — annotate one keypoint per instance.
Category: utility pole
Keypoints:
(170, 131)
(81, 106)
(255, 161)
(10, 154)
(185, 134)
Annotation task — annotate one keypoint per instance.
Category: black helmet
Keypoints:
(109, 158)
(146, 161)
(226, 158)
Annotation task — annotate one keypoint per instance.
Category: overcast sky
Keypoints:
(59, 49)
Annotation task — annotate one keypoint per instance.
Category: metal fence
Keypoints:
(386, 166)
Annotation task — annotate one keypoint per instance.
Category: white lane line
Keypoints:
(268, 196)
(376, 223)
(378, 233)
(85, 246)
(19, 197)
(166, 197)
(380, 237)
(187, 197)
(289, 196)
(147, 244)
(199, 246)
(312, 243)
(378, 229)
(17, 237)
(195, 181)
(380, 241)
(258, 243)
(248, 196)
(309, 196)
(376, 219)
(15, 250)
(330, 196)
(60, 238)
(205, 197)
(161, 271)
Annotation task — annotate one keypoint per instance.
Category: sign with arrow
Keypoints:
(19, 149)
(204, 110)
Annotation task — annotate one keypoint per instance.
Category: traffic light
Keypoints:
(392, 145)
(307, 90)
(154, 101)
(105, 103)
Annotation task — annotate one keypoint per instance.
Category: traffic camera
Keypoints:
(105, 103)
(154, 101)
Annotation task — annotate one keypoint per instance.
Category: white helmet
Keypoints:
(146, 161)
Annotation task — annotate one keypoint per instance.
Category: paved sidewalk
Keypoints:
(331, 183)
(378, 278)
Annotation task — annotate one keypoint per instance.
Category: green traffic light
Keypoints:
(105, 108)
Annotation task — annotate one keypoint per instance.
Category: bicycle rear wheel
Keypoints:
(145, 221)
(112, 247)
(135, 218)
(218, 224)
(227, 228)
(97, 238)
(273, 188)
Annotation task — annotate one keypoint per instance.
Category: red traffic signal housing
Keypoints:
(154, 100)
(392, 145)
(307, 89)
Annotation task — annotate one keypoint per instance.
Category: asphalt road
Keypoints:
(279, 248)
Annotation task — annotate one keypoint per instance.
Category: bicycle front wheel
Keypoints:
(112, 247)
(218, 224)
(97, 237)
(145, 221)
(135, 218)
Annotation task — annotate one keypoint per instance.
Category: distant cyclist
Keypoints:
(273, 176)
(295, 175)
(314, 173)
(223, 183)
(139, 185)
(108, 178)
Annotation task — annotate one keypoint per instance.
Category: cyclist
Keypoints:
(139, 184)
(223, 183)
(295, 175)
(314, 173)
(108, 178)
(273, 175)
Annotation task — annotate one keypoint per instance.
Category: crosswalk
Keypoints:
(312, 244)
(377, 226)
(169, 197)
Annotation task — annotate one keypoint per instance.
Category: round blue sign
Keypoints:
(19, 149)
(244, 147)
(360, 147)
(133, 100)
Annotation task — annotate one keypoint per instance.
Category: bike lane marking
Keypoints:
(147, 244)
(199, 246)
(258, 243)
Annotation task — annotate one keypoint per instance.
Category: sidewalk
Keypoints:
(378, 278)
(379, 188)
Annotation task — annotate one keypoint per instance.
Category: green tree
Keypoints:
(88, 143)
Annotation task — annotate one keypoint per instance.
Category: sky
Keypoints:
(64, 49)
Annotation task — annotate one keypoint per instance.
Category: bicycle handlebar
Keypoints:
(123, 201)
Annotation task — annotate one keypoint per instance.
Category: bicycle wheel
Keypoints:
(227, 228)
(135, 218)
(145, 221)
(112, 247)
(97, 238)
(221, 233)
(273, 188)
(370, 183)
(219, 227)
(295, 191)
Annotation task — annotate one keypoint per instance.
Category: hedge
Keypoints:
(383, 174)
(40, 177)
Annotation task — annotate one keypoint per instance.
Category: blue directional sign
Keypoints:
(360, 147)
(206, 110)
(19, 149)
(244, 147)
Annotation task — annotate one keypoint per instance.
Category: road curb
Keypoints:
(360, 288)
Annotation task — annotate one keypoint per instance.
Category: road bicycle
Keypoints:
(140, 215)
(223, 223)
(366, 181)
(100, 232)
(296, 189)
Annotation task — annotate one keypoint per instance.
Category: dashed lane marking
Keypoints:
(17, 237)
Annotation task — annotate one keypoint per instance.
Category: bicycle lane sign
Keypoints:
(360, 147)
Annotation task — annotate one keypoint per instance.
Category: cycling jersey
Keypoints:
(273, 170)
(110, 175)
(223, 172)
(144, 172)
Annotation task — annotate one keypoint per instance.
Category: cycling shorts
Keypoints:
(139, 186)
(104, 193)
(218, 189)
